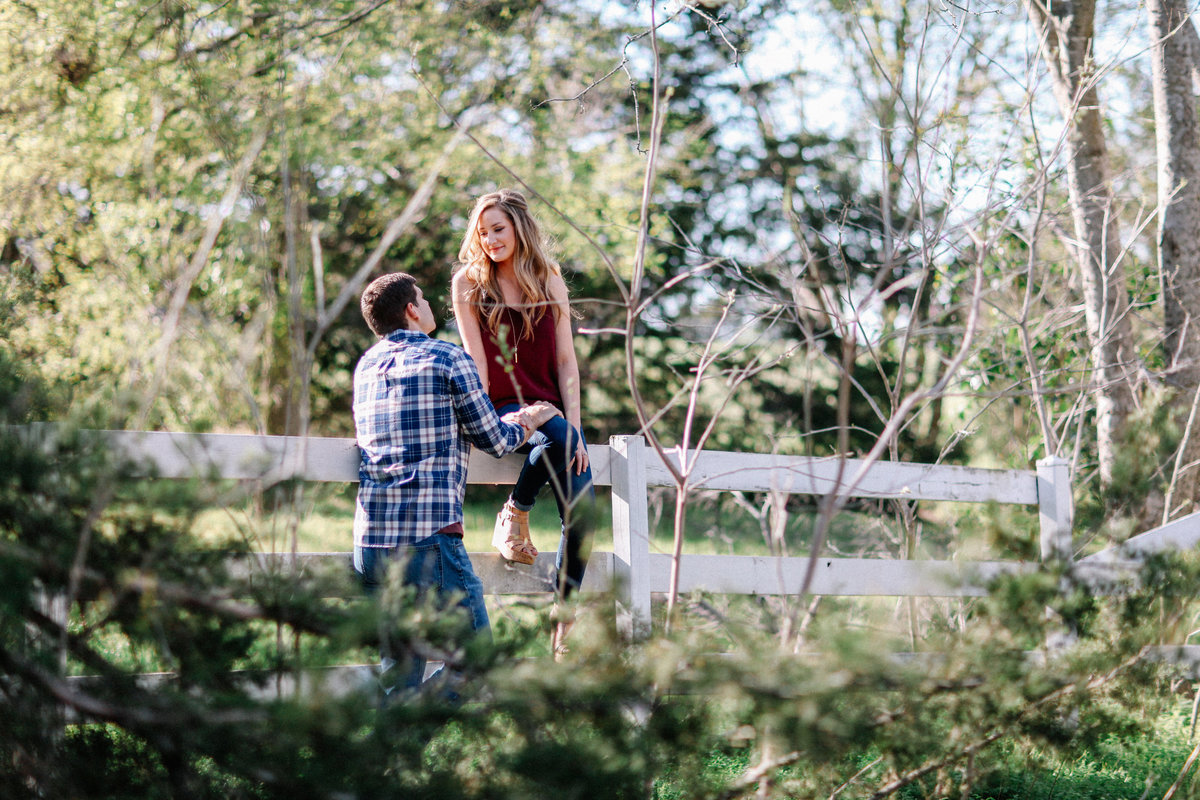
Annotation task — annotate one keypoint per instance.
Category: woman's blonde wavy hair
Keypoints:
(532, 263)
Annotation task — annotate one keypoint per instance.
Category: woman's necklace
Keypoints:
(509, 287)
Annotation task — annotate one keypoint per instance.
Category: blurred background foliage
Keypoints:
(150, 274)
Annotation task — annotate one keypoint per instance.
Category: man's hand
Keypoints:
(540, 413)
(532, 416)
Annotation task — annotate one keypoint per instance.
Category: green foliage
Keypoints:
(1142, 474)
(125, 126)
(1139, 763)
(99, 583)
(691, 714)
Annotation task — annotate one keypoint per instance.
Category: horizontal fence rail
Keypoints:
(756, 472)
(631, 468)
(276, 458)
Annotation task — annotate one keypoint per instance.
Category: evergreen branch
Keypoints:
(75, 643)
(144, 584)
(143, 711)
(750, 778)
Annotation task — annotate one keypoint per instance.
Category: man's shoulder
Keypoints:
(414, 343)
(443, 349)
(441, 356)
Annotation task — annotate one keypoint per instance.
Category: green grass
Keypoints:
(322, 522)
(1144, 766)
(318, 518)
(1116, 768)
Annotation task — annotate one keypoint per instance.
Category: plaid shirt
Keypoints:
(418, 407)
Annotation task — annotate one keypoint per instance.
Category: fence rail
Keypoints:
(631, 469)
(636, 574)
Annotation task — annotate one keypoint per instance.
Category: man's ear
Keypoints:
(411, 314)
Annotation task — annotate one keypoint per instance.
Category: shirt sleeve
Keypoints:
(480, 424)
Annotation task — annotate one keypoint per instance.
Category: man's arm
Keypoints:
(532, 416)
(482, 427)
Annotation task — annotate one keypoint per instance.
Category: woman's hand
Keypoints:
(580, 460)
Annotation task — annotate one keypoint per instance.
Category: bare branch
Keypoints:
(199, 260)
(396, 228)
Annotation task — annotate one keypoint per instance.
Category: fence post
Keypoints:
(1056, 511)
(1056, 508)
(631, 535)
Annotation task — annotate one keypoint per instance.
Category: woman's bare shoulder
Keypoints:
(557, 288)
(460, 280)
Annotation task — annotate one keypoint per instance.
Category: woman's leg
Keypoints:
(533, 476)
(577, 510)
(550, 450)
(550, 462)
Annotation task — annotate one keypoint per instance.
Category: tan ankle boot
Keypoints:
(511, 536)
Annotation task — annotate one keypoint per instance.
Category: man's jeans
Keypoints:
(438, 562)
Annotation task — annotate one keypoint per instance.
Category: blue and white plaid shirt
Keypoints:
(418, 407)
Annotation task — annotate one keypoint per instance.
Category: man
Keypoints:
(419, 405)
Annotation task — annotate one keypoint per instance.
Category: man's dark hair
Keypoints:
(385, 300)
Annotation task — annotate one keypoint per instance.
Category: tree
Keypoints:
(1066, 36)
(1173, 59)
(233, 170)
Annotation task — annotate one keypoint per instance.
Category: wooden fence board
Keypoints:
(634, 468)
(846, 577)
(895, 479)
(1180, 534)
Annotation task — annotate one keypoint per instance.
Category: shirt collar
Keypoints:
(405, 335)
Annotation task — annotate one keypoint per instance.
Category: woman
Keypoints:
(513, 312)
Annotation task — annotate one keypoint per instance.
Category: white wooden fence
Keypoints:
(631, 469)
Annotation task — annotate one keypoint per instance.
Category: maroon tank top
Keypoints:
(529, 371)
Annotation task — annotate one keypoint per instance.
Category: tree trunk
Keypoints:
(1066, 36)
(1178, 144)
